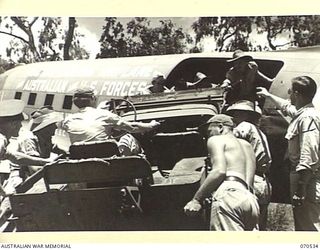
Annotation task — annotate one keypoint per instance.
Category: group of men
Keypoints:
(30, 149)
(238, 150)
(239, 154)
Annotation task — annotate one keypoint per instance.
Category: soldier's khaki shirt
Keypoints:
(91, 124)
(303, 137)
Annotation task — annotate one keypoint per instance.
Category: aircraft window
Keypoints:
(67, 103)
(18, 95)
(208, 72)
(32, 98)
(49, 99)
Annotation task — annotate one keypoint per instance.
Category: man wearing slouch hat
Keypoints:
(242, 79)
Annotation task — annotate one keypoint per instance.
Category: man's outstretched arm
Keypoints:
(214, 179)
(137, 127)
(24, 159)
(277, 101)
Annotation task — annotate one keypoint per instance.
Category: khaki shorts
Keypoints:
(234, 208)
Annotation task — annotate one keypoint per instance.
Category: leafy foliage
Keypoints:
(229, 32)
(5, 65)
(304, 30)
(234, 32)
(42, 39)
(141, 38)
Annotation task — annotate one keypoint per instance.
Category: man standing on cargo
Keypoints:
(91, 124)
(303, 137)
(242, 79)
(234, 206)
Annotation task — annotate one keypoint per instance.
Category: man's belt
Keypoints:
(236, 178)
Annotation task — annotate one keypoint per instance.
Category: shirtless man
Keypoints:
(234, 206)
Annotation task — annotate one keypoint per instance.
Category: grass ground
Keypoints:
(280, 217)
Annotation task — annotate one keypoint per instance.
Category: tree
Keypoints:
(228, 32)
(231, 33)
(112, 40)
(306, 30)
(160, 40)
(51, 42)
(141, 38)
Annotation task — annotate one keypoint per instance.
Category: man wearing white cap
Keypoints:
(234, 206)
(246, 116)
(11, 115)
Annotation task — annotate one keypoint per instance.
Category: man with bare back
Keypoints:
(234, 206)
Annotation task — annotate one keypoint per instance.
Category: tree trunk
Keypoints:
(69, 38)
(269, 39)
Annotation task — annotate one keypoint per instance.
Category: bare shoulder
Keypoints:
(216, 141)
(246, 146)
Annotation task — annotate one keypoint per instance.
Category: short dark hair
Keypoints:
(83, 97)
(304, 85)
(82, 102)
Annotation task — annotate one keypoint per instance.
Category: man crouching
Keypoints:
(234, 206)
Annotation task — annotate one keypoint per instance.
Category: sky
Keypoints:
(91, 28)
